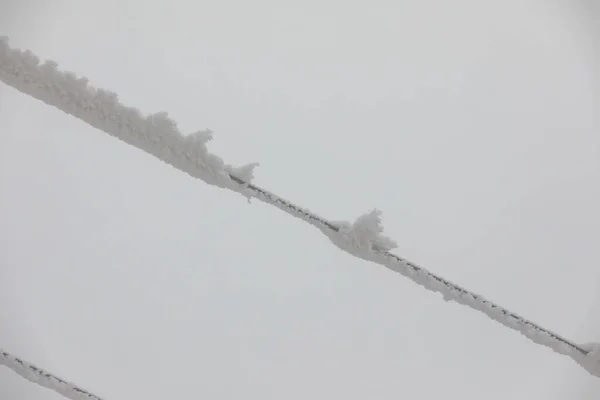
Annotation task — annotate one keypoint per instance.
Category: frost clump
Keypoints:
(244, 173)
(159, 120)
(199, 137)
(364, 234)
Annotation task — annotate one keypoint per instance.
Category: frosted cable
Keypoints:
(46, 379)
(158, 135)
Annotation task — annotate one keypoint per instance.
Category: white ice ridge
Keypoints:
(43, 378)
(158, 135)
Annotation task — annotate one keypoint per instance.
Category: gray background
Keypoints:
(472, 124)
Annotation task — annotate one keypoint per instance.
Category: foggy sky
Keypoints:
(472, 125)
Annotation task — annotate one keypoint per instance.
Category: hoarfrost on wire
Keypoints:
(199, 137)
(158, 135)
(43, 378)
(364, 234)
(243, 172)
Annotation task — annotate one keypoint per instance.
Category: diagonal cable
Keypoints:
(158, 135)
(45, 379)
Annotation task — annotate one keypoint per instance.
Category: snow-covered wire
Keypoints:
(158, 135)
(46, 379)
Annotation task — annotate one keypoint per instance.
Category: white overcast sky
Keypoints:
(473, 125)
